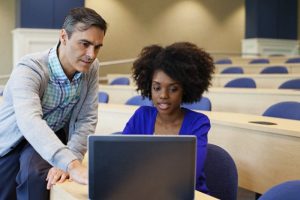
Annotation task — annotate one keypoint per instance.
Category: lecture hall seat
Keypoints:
(275, 70)
(221, 173)
(259, 61)
(203, 104)
(293, 60)
(289, 190)
(290, 84)
(103, 97)
(120, 81)
(241, 83)
(223, 61)
(233, 70)
(138, 100)
(286, 110)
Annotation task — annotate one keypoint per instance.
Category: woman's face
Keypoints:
(166, 93)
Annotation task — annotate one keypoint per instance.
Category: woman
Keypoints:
(170, 76)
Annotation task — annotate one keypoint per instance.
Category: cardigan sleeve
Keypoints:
(25, 85)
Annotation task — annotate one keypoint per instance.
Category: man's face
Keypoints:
(78, 52)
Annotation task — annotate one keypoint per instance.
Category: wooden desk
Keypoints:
(239, 100)
(74, 191)
(265, 155)
(256, 68)
(250, 101)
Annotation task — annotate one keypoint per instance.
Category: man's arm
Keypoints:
(25, 84)
(86, 118)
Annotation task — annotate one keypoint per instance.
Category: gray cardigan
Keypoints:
(21, 112)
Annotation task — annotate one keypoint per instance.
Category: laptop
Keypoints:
(141, 167)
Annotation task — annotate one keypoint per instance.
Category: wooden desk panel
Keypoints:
(249, 101)
(74, 191)
(265, 155)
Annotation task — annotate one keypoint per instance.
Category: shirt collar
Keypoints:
(56, 69)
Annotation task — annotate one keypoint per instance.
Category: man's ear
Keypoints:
(63, 36)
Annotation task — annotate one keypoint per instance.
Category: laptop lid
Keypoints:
(141, 167)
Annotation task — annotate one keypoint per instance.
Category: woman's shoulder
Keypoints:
(145, 110)
(193, 113)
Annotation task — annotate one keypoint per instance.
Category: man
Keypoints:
(49, 109)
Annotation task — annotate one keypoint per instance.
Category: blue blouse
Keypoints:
(194, 123)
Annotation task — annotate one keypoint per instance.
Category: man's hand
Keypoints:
(78, 172)
(55, 175)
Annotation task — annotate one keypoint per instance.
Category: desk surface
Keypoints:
(73, 191)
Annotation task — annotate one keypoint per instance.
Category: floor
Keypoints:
(244, 194)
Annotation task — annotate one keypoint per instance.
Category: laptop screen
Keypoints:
(141, 167)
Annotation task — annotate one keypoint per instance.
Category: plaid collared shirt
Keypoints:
(61, 94)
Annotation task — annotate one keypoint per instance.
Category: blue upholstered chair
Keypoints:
(203, 104)
(120, 81)
(233, 70)
(286, 109)
(241, 83)
(221, 173)
(290, 84)
(103, 97)
(223, 61)
(139, 101)
(289, 190)
(259, 61)
(293, 60)
(274, 70)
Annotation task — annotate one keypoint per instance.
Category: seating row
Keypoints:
(258, 60)
(222, 80)
(258, 68)
(252, 101)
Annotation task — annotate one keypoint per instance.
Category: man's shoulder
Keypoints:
(35, 60)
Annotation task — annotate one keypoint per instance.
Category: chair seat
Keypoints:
(139, 101)
(289, 190)
(241, 83)
(286, 110)
(221, 173)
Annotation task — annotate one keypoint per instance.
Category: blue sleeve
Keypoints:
(130, 125)
(141, 122)
(200, 128)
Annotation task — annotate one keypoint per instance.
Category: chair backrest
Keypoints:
(224, 61)
(259, 61)
(241, 83)
(120, 81)
(286, 109)
(233, 70)
(139, 101)
(293, 60)
(274, 70)
(203, 104)
(290, 84)
(221, 173)
(289, 190)
(103, 97)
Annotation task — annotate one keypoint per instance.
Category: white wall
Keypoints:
(7, 24)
